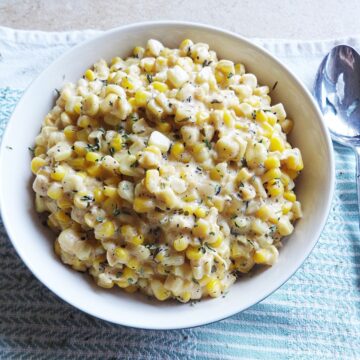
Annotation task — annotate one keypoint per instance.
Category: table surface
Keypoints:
(290, 19)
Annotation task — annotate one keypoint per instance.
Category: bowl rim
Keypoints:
(223, 32)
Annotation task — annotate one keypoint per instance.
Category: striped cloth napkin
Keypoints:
(315, 315)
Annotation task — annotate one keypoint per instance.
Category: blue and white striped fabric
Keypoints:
(315, 315)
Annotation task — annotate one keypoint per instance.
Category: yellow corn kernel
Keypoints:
(54, 192)
(177, 149)
(80, 148)
(291, 173)
(89, 74)
(112, 181)
(37, 163)
(122, 254)
(201, 228)
(141, 98)
(138, 52)
(110, 191)
(98, 195)
(190, 197)
(290, 195)
(294, 162)
(70, 133)
(63, 218)
(126, 83)
(189, 209)
(268, 130)
(200, 212)
(262, 256)
(287, 125)
(131, 289)
(154, 149)
(219, 203)
(271, 118)
(94, 170)
(83, 121)
(77, 163)
(184, 297)
(198, 148)
(275, 187)
(181, 243)
(133, 263)
(286, 208)
(261, 116)
(152, 180)
(239, 69)
(228, 119)
(274, 173)
(272, 162)
(132, 102)
(193, 253)
(265, 213)
(128, 231)
(201, 117)
(243, 175)
(137, 240)
(215, 174)
(285, 179)
(143, 205)
(218, 242)
(106, 229)
(185, 46)
(159, 86)
(39, 150)
(92, 156)
(58, 173)
(64, 203)
(164, 127)
(213, 288)
(77, 108)
(276, 143)
(82, 135)
(160, 292)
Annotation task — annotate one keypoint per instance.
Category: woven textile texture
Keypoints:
(315, 315)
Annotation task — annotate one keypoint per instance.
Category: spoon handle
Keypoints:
(357, 151)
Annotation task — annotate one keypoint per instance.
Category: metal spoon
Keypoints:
(337, 91)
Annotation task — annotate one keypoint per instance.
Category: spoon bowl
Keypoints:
(337, 91)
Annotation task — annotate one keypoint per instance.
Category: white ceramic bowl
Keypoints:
(34, 243)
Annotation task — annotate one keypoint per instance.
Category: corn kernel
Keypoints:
(193, 253)
(58, 173)
(201, 228)
(181, 243)
(37, 163)
(228, 119)
(189, 209)
(64, 203)
(164, 127)
(128, 231)
(264, 213)
(110, 191)
(219, 241)
(159, 86)
(122, 254)
(271, 118)
(77, 163)
(54, 192)
(268, 130)
(177, 149)
(89, 74)
(94, 170)
(98, 195)
(275, 187)
(262, 256)
(105, 229)
(201, 117)
(143, 205)
(184, 297)
(213, 288)
(261, 116)
(64, 219)
(274, 173)
(290, 195)
(133, 263)
(80, 148)
(160, 292)
(272, 162)
(127, 83)
(215, 174)
(141, 98)
(131, 289)
(276, 143)
(286, 208)
(200, 212)
(137, 240)
(83, 121)
(152, 180)
(39, 150)
(92, 156)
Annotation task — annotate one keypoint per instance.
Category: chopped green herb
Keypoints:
(116, 212)
(207, 143)
(31, 150)
(149, 78)
(100, 219)
(230, 75)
